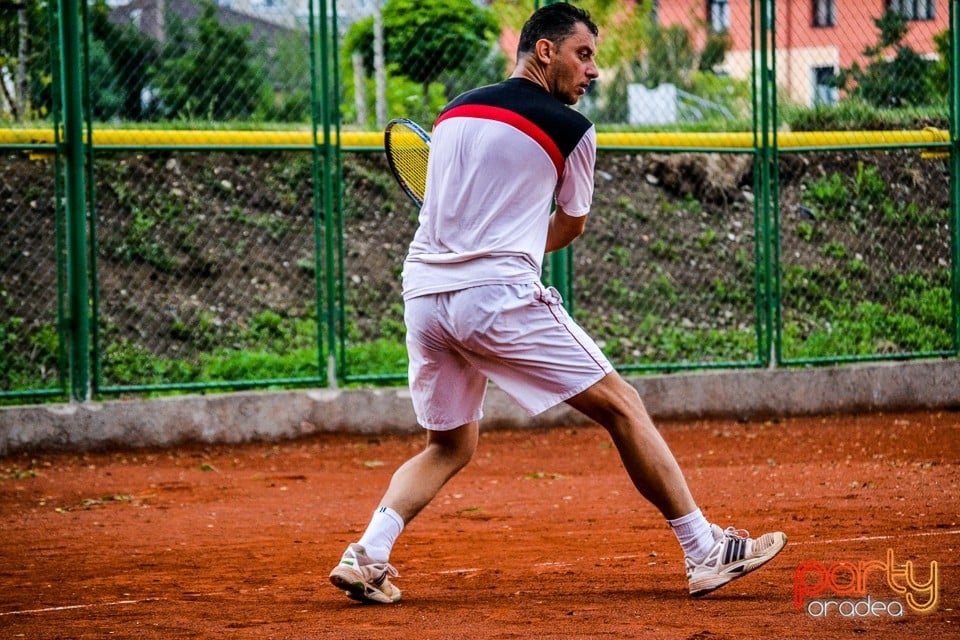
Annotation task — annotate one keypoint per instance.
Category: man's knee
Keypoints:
(609, 401)
(457, 445)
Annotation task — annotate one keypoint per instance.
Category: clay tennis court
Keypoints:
(542, 536)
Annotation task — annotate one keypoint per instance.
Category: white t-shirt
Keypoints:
(499, 158)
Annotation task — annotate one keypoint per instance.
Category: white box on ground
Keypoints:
(651, 106)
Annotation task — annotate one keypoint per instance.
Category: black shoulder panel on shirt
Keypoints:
(562, 124)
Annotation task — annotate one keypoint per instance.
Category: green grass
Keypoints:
(866, 329)
(853, 115)
(381, 357)
(653, 340)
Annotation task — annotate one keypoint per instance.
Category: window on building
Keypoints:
(824, 13)
(914, 9)
(825, 86)
(719, 14)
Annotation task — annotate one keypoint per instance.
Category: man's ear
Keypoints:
(544, 50)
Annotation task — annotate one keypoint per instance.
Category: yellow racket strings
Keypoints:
(410, 153)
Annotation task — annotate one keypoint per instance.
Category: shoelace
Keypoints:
(386, 567)
(733, 532)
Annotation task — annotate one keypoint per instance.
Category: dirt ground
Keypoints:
(542, 536)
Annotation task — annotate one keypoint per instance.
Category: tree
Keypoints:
(117, 68)
(940, 75)
(106, 95)
(208, 71)
(669, 58)
(130, 57)
(25, 73)
(287, 65)
(426, 38)
(903, 80)
(714, 50)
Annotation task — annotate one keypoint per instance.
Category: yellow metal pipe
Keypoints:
(785, 139)
(367, 139)
(185, 138)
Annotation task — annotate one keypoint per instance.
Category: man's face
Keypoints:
(572, 65)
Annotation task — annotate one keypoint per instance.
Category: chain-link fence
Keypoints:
(31, 293)
(206, 268)
(194, 194)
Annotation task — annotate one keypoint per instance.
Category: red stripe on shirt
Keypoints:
(514, 120)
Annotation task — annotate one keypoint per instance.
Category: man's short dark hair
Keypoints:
(553, 22)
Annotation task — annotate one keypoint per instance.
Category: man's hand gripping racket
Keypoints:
(408, 148)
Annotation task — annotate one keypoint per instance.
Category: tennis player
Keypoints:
(501, 157)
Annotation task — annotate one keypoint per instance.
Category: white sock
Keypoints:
(381, 533)
(694, 533)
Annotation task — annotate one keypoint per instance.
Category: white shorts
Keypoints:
(517, 335)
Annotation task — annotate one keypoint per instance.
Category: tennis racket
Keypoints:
(408, 148)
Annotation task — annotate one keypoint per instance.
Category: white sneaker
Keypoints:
(363, 578)
(734, 555)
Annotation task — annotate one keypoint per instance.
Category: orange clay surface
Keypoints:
(541, 536)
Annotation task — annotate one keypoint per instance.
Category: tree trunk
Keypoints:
(379, 68)
(22, 97)
(359, 88)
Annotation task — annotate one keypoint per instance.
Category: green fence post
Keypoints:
(93, 277)
(72, 148)
(63, 356)
(324, 282)
(329, 221)
(770, 347)
(560, 275)
(337, 117)
(763, 234)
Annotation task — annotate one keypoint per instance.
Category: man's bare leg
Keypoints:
(420, 478)
(617, 406)
(713, 556)
(364, 571)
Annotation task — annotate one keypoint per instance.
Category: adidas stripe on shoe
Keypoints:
(734, 555)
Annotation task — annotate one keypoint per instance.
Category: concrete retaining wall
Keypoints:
(242, 417)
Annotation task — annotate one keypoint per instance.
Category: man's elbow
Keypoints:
(577, 228)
